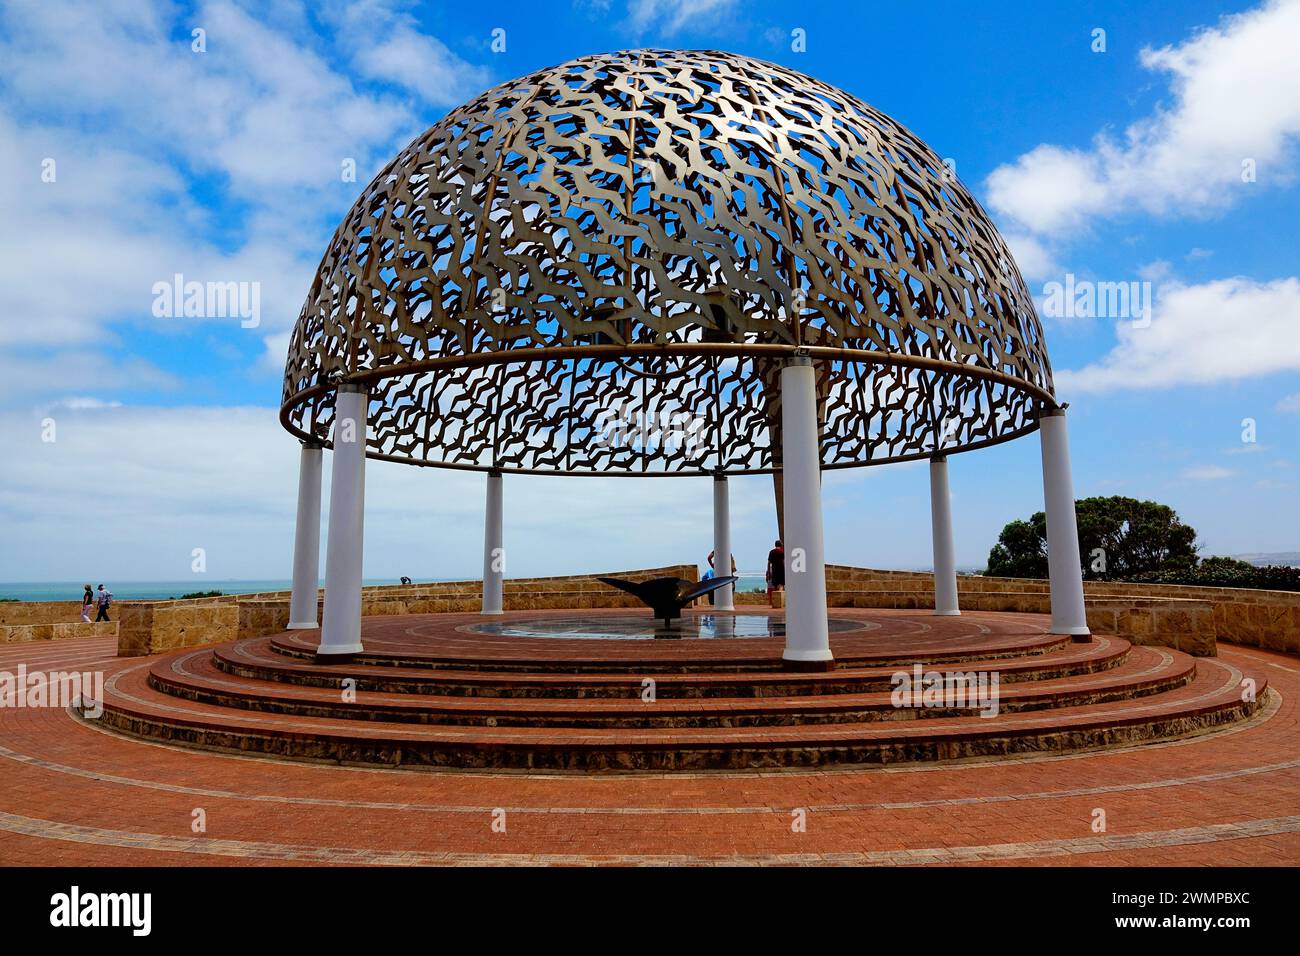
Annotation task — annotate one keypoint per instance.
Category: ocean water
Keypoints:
(143, 590)
(162, 590)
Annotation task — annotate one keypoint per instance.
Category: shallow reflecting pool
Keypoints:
(642, 627)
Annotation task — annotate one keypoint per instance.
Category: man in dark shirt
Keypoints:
(775, 570)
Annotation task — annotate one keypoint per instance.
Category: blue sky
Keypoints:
(1115, 165)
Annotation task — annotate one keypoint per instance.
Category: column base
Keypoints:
(1077, 635)
(302, 625)
(808, 667)
(492, 612)
(339, 655)
(947, 613)
(1073, 631)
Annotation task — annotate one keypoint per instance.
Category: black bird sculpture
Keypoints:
(667, 596)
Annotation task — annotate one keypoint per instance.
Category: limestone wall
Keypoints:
(1182, 623)
(40, 612)
(22, 633)
(1182, 616)
(1185, 617)
(149, 627)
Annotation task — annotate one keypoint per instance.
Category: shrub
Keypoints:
(1228, 573)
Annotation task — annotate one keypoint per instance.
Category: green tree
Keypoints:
(1118, 538)
(1021, 551)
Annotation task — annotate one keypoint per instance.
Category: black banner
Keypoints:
(939, 906)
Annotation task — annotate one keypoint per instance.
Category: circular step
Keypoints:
(690, 708)
(196, 677)
(257, 660)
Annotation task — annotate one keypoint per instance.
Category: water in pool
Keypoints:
(641, 627)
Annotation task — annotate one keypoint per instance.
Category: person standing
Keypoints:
(775, 570)
(104, 599)
(87, 601)
(712, 572)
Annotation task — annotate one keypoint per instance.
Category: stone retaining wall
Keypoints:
(1182, 616)
(1181, 623)
(22, 633)
(40, 612)
(150, 627)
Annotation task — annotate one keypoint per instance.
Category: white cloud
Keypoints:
(1220, 331)
(385, 44)
(1208, 473)
(1270, 484)
(1048, 189)
(1234, 98)
(223, 166)
(81, 403)
(277, 347)
(126, 493)
(259, 106)
(26, 376)
(94, 241)
(1032, 257)
(671, 16)
(1289, 403)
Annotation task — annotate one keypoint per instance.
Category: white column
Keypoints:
(306, 540)
(723, 597)
(341, 622)
(945, 562)
(1063, 567)
(807, 639)
(494, 554)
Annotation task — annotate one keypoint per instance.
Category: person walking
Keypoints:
(103, 599)
(87, 601)
(775, 571)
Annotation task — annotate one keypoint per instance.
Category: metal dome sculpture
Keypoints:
(666, 263)
(645, 237)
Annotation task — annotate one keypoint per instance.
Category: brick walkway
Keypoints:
(78, 794)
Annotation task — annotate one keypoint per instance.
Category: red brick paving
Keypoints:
(75, 794)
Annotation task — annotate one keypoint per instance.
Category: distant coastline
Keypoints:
(165, 590)
(152, 590)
